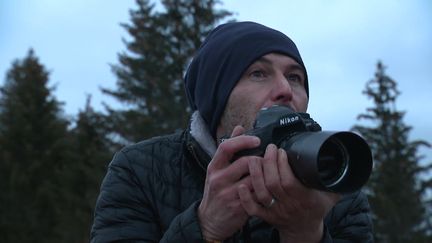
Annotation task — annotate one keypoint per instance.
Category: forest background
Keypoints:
(73, 60)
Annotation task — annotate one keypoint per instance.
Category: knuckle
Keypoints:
(287, 186)
(225, 146)
(272, 185)
(242, 160)
(225, 195)
(212, 169)
(214, 181)
(289, 183)
(264, 198)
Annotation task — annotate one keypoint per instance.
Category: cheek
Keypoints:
(244, 104)
(303, 105)
(301, 101)
(241, 110)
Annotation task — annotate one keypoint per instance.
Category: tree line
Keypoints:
(51, 166)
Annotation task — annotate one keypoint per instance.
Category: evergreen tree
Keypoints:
(89, 154)
(150, 75)
(395, 188)
(33, 145)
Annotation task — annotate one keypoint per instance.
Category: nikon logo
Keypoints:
(287, 120)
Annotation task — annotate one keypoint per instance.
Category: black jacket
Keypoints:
(152, 190)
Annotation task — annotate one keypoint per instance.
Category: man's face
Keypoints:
(274, 79)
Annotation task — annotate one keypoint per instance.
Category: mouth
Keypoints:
(289, 106)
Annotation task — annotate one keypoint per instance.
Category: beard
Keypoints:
(235, 115)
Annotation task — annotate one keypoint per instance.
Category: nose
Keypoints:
(282, 91)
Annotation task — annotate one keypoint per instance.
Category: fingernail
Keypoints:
(270, 146)
(256, 141)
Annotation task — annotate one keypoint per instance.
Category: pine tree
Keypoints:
(89, 155)
(395, 188)
(33, 145)
(150, 75)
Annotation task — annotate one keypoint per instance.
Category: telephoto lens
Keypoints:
(336, 161)
(333, 161)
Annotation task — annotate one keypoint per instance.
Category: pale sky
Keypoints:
(340, 42)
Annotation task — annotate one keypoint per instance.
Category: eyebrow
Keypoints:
(294, 66)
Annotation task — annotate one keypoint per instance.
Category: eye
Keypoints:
(295, 78)
(257, 74)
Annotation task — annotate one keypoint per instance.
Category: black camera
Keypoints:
(339, 162)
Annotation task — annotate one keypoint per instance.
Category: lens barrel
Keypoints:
(333, 161)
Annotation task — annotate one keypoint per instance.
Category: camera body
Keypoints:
(276, 123)
(340, 162)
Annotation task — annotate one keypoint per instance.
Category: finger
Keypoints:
(246, 181)
(238, 169)
(233, 173)
(271, 171)
(229, 147)
(262, 194)
(237, 131)
(252, 207)
(288, 179)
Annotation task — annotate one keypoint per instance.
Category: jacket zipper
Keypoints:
(192, 151)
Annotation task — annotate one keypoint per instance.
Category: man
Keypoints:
(188, 187)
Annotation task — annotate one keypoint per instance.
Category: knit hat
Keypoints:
(222, 59)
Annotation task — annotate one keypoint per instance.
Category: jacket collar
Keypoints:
(200, 132)
(200, 144)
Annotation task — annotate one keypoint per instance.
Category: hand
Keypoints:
(298, 211)
(220, 212)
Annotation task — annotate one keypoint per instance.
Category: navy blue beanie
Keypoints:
(222, 59)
